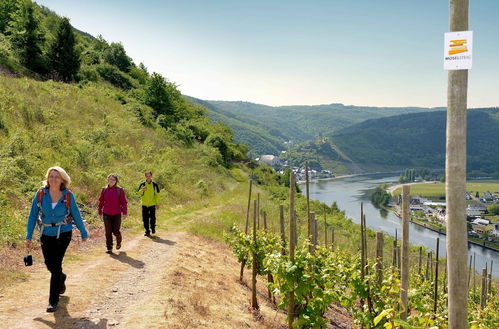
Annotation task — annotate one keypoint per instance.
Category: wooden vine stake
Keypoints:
(292, 245)
(254, 302)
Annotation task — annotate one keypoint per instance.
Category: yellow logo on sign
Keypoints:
(458, 46)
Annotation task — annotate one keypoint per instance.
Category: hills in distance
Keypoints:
(353, 139)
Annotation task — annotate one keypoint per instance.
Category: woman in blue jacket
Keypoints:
(54, 210)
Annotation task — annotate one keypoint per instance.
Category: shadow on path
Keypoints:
(62, 319)
(160, 240)
(124, 258)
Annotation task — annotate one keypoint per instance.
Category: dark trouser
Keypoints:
(149, 216)
(112, 223)
(53, 251)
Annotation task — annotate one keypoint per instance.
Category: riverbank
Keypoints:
(315, 180)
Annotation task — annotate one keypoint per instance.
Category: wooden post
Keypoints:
(404, 282)
(399, 263)
(254, 302)
(292, 240)
(243, 263)
(283, 232)
(309, 221)
(394, 254)
(362, 251)
(455, 179)
(474, 273)
(483, 295)
(469, 273)
(365, 240)
(325, 227)
(313, 227)
(265, 227)
(427, 270)
(489, 278)
(420, 260)
(258, 211)
(435, 292)
(431, 265)
(332, 237)
(379, 257)
(248, 208)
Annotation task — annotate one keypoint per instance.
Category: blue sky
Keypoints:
(362, 52)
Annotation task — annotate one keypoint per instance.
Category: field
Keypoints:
(436, 191)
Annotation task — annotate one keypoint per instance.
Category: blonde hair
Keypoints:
(66, 180)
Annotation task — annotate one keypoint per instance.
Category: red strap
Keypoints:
(41, 192)
(68, 199)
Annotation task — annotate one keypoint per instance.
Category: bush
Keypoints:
(114, 76)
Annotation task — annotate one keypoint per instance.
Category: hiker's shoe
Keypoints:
(147, 234)
(109, 251)
(118, 246)
(52, 308)
(153, 231)
(62, 288)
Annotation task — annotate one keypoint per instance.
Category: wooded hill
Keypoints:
(418, 140)
(265, 128)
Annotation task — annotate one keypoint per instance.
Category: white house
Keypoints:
(475, 210)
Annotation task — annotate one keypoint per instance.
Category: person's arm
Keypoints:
(32, 218)
(101, 201)
(75, 212)
(156, 197)
(123, 202)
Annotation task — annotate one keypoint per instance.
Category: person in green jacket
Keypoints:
(149, 190)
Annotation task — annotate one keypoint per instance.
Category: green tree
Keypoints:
(7, 7)
(26, 36)
(116, 55)
(156, 96)
(64, 59)
(493, 209)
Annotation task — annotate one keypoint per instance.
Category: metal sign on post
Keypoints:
(458, 50)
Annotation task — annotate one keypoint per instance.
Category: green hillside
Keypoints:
(418, 140)
(296, 123)
(69, 99)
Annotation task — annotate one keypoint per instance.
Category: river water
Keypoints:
(349, 192)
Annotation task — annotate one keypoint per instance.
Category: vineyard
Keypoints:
(305, 276)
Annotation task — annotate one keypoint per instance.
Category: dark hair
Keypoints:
(114, 176)
(148, 172)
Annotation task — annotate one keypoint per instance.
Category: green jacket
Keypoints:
(150, 197)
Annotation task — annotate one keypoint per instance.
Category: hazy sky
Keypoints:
(360, 52)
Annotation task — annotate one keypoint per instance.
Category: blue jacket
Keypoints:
(55, 215)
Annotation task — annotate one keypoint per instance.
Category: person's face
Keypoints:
(55, 179)
(111, 181)
(148, 177)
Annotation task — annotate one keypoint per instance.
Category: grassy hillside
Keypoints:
(296, 123)
(418, 140)
(92, 130)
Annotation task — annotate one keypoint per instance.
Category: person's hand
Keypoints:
(157, 206)
(27, 243)
(84, 239)
(144, 188)
(125, 215)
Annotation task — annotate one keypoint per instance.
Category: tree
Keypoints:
(156, 96)
(116, 55)
(26, 36)
(64, 59)
(493, 209)
(7, 7)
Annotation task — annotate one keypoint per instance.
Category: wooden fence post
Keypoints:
(292, 241)
(435, 293)
(404, 282)
(420, 260)
(254, 302)
(243, 263)
(283, 232)
(325, 227)
(483, 296)
(379, 257)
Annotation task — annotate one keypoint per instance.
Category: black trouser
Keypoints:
(112, 223)
(149, 216)
(53, 251)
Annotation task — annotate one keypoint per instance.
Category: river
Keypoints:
(349, 192)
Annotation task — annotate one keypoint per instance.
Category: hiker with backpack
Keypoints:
(112, 203)
(54, 210)
(149, 191)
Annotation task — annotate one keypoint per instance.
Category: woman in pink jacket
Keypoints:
(112, 203)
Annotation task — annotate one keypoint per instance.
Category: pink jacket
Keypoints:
(110, 204)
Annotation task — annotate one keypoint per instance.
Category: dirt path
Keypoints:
(174, 280)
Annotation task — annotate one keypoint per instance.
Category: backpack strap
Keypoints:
(141, 185)
(156, 187)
